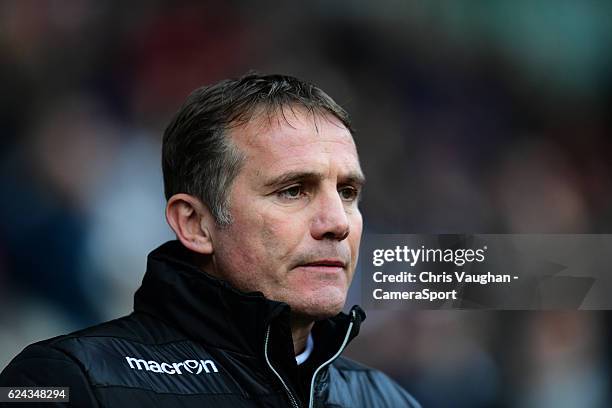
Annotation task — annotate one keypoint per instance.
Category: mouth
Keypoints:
(325, 265)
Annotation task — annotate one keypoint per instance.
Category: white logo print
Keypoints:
(189, 366)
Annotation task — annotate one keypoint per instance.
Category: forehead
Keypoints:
(294, 138)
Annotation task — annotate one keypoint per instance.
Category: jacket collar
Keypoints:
(211, 311)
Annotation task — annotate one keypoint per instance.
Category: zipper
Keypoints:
(292, 399)
(335, 356)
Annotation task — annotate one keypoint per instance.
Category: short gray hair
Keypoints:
(197, 156)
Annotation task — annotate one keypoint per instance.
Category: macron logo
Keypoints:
(188, 366)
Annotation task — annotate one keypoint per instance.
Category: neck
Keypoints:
(300, 329)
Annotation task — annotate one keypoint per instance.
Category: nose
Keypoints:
(330, 220)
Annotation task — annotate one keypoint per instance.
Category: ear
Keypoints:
(190, 220)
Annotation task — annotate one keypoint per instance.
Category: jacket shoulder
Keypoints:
(129, 357)
(136, 327)
(366, 386)
(48, 360)
(40, 365)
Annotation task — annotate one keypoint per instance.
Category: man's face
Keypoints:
(296, 226)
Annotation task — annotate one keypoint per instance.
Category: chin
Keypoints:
(321, 305)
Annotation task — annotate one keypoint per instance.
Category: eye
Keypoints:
(292, 193)
(348, 193)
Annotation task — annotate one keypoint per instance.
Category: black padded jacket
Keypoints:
(194, 341)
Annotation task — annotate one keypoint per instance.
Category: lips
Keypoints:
(331, 263)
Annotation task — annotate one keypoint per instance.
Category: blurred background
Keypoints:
(471, 117)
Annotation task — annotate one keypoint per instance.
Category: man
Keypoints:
(262, 180)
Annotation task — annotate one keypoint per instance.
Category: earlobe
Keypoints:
(189, 220)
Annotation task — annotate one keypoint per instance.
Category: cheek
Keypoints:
(281, 237)
(233, 256)
(238, 246)
(355, 240)
(356, 230)
(260, 242)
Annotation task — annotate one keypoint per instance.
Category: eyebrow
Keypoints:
(354, 177)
